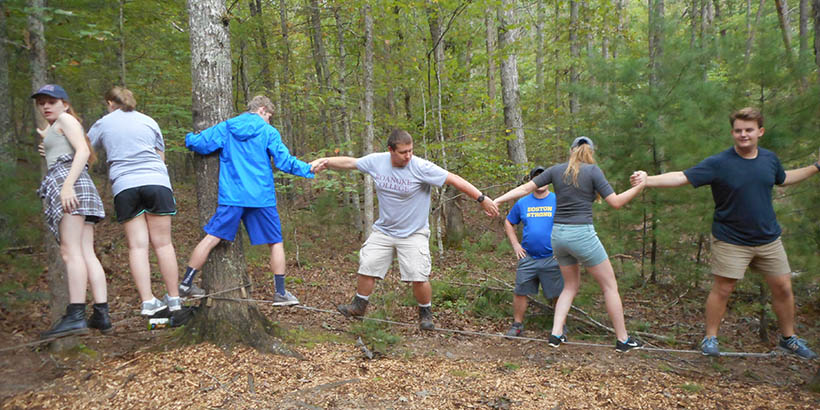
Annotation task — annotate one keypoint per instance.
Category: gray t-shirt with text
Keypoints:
(574, 203)
(404, 193)
(131, 140)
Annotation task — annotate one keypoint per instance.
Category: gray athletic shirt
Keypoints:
(130, 139)
(404, 193)
(574, 203)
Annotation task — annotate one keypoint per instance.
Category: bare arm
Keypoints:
(618, 200)
(73, 132)
(516, 193)
(471, 191)
(339, 163)
(509, 229)
(797, 175)
(667, 180)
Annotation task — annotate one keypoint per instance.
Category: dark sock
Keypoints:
(75, 307)
(279, 282)
(188, 280)
(101, 305)
(784, 338)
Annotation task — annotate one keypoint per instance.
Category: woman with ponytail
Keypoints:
(72, 206)
(577, 183)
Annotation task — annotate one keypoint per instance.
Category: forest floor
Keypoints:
(140, 368)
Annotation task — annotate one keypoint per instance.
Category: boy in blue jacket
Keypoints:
(246, 144)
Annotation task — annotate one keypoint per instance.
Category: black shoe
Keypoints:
(556, 341)
(72, 323)
(631, 343)
(426, 318)
(356, 308)
(99, 318)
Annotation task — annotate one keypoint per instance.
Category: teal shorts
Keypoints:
(574, 244)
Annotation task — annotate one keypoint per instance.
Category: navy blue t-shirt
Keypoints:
(742, 190)
(537, 215)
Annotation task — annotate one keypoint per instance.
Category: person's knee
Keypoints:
(781, 289)
(723, 287)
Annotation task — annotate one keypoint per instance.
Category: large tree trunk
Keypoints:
(6, 134)
(369, 129)
(490, 33)
(508, 30)
(220, 321)
(345, 114)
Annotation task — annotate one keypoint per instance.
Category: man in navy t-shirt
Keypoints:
(535, 261)
(745, 232)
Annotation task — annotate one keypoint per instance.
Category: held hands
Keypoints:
(318, 165)
(519, 251)
(490, 208)
(638, 178)
(68, 198)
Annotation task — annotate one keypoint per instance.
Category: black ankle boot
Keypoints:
(72, 323)
(99, 318)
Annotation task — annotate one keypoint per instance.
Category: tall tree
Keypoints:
(225, 322)
(507, 35)
(121, 27)
(575, 54)
(369, 128)
(804, 29)
(816, 12)
(320, 61)
(284, 90)
(539, 54)
(6, 130)
(490, 33)
(785, 28)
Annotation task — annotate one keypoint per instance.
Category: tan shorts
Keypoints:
(730, 260)
(413, 251)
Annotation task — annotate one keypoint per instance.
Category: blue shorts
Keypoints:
(533, 271)
(574, 244)
(262, 224)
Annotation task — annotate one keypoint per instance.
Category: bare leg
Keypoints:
(96, 274)
(136, 232)
(572, 281)
(202, 250)
(159, 230)
(520, 303)
(71, 250)
(277, 259)
(605, 276)
(365, 285)
(423, 292)
(783, 302)
(716, 303)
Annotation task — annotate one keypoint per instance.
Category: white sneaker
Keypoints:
(284, 300)
(152, 307)
(173, 303)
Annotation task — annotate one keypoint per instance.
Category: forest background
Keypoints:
(488, 89)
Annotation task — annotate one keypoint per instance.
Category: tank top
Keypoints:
(55, 144)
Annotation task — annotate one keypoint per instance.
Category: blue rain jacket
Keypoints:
(247, 143)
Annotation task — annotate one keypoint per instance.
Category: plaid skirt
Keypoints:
(90, 203)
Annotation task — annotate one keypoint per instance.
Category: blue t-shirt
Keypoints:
(537, 215)
(742, 190)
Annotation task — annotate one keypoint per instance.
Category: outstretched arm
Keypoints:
(509, 229)
(339, 163)
(516, 193)
(468, 189)
(797, 175)
(667, 180)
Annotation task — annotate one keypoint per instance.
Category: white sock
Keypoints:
(362, 296)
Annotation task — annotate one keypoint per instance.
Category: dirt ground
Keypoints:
(139, 368)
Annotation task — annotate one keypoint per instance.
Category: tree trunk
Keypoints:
(785, 28)
(804, 29)
(264, 60)
(289, 133)
(539, 56)
(574, 50)
(345, 114)
(490, 34)
(816, 12)
(220, 321)
(751, 28)
(510, 94)
(121, 26)
(369, 128)
(320, 63)
(6, 134)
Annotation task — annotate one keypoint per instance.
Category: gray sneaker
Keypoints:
(797, 346)
(284, 300)
(191, 291)
(709, 346)
(152, 307)
(174, 303)
(515, 330)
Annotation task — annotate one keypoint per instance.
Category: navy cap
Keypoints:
(52, 90)
(580, 141)
(535, 171)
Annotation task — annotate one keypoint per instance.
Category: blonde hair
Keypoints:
(122, 97)
(260, 101)
(582, 154)
(92, 157)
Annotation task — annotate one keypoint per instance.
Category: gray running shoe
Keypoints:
(191, 291)
(284, 300)
(515, 330)
(174, 303)
(709, 346)
(152, 307)
(797, 346)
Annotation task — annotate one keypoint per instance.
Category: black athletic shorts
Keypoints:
(154, 199)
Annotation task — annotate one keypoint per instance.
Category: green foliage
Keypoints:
(376, 335)
(690, 387)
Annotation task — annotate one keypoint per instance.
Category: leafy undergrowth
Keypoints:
(136, 367)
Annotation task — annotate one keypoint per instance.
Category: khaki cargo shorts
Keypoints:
(413, 253)
(730, 260)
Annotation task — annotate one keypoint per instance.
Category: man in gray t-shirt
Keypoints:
(403, 185)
